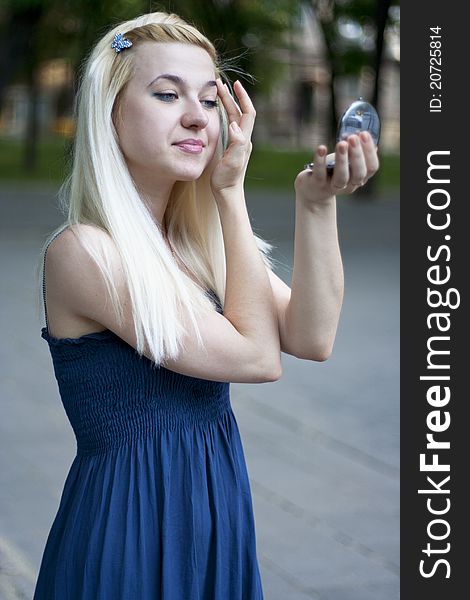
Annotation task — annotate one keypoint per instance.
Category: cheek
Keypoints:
(214, 129)
(137, 134)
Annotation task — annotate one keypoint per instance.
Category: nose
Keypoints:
(194, 116)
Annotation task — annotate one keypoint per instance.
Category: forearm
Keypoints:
(312, 314)
(249, 303)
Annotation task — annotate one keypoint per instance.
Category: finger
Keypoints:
(248, 111)
(357, 161)
(231, 108)
(246, 104)
(370, 153)
(319, 165)
(238, 149)
(236, 134)
(340, 177)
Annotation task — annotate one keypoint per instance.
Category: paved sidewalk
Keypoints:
(322, 444)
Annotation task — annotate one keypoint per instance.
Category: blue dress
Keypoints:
(157, 503)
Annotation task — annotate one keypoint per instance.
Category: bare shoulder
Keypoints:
(70, 253)
(70, 241)
(74, 282)
(78, 303)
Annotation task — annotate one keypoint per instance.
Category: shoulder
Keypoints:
(72, 239)
(77, 245)
(77, 256)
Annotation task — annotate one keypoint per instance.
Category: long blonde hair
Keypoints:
(100, 191)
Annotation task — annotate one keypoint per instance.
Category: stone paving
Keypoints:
(321, 444)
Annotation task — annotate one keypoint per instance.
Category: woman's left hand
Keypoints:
(356, 161)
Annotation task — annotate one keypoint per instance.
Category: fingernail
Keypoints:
(353, 141)
(321, 151)
(365, 136)
(343, 148)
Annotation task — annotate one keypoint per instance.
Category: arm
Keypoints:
(308, 314)
(242, 345)
(76, 290)
(317, 282)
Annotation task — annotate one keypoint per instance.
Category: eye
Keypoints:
(166, 96)
(209, 103)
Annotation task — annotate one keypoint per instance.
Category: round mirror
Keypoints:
(359, 116)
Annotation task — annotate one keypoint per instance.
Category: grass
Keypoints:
(50, 166)
(268, 169)
(274, 169)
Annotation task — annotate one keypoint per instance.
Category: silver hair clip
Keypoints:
(120, 43)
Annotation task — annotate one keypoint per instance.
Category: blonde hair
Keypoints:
(100, 191)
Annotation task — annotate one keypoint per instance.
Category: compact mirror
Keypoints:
(359, 116)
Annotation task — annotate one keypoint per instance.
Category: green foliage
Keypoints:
(20, 5)
(50, 168)
(269, 169)
(72, 27)
(243, 32)
(349, 55)
(65, 28)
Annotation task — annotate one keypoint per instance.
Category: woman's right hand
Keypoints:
(229, 172)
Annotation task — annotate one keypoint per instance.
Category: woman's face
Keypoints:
(168, 123)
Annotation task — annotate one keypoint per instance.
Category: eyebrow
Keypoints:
(179, 80)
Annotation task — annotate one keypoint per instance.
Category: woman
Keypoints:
(157, 295)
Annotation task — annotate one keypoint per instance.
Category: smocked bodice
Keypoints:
(157, 502)
(112, 395)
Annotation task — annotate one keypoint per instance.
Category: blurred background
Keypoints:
(322, 444)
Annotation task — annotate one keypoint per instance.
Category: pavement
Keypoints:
(321, 444)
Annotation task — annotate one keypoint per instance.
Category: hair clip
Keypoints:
(120, 43)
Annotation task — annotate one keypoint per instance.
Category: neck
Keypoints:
(156, 193)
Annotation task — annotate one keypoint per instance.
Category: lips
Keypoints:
(190, 142)
(191, 146)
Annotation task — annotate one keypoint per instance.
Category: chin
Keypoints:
(190, 174)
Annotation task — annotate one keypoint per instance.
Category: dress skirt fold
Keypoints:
(157, 502)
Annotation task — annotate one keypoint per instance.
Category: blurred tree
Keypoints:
(353, 32)
(244, 33)
(36, 30)
(20, 22)
(382, 12)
